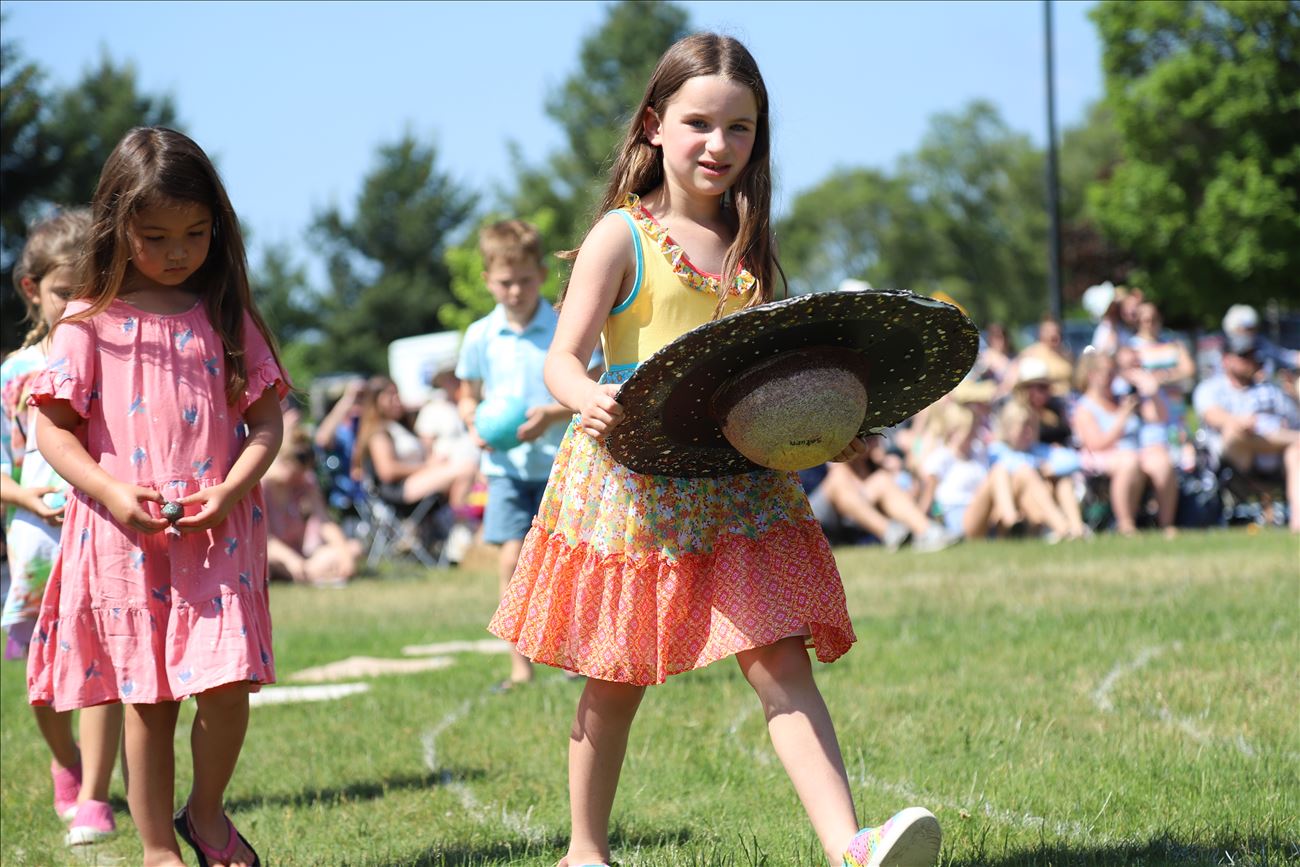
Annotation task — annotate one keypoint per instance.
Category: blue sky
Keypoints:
(293, 99)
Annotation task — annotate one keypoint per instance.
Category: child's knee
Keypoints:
(224, 697)
(784, 661)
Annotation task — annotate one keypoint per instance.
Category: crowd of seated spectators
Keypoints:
(1034, 443)
(1042, 444)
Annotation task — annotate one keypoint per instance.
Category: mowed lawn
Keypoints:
(1115, 702)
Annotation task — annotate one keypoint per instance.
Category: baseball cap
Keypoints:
(1240, 317)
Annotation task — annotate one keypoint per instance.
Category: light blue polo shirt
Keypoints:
(508, 363)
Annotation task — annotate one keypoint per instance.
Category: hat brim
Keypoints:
(915, 350)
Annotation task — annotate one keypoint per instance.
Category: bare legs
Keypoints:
(100, 728)
(804, 738)
(1129, 473)
(1242, 448)
(333, 562)
(150, 729)
(873, 502)
(597, 745)
(56, 727)
(215, 740)
(521, 669)
(439, 475)
(798, 723)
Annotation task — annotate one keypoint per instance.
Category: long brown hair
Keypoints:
(371, 420)
(639, 166)
(58, 241)
(152, 166)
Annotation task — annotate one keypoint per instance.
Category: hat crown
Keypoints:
(795, 410)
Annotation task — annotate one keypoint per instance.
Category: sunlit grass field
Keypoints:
(1116, 702)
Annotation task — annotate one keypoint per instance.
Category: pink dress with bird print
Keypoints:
(137, 617)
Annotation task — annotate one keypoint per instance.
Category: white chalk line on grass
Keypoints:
(369, 666)
(519, 824)
(1101, 695)
(296, 694)
(1101, 699)
(484, 645)
(1070, 830)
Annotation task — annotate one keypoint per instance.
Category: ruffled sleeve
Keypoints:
(263, 370)
(72, 372)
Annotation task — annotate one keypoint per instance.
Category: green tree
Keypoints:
(88, 120)
(1089, 152)
(593, 108)
(1206, 98)
(387, 274)
(982, 187)
(290, 307)
(54, 145)
(857, 223)
(963, 215)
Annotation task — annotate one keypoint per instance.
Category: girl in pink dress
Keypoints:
(160, 405)
(630, 578)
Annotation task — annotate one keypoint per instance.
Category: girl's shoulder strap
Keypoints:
(638, 257)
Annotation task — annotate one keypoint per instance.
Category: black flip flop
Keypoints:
(204, 852)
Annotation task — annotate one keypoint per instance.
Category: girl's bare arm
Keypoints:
(601, 275)
(56, 437)
(265, 431)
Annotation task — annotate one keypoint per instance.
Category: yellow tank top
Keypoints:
(669, 296)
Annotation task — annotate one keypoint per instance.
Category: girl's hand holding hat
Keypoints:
(600, 413)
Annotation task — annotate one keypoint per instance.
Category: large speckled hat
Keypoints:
(787, 385)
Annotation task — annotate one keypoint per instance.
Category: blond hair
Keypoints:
(1013, 416)
(954, 418)
(1088, 362)
(510, 242)
(56, 242)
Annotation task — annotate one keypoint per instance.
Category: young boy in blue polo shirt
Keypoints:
(501, 358)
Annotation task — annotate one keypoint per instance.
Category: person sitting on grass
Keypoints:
(955, 479)
(1109, 430)
(303, 543)
(862, 493)
(1253, 425)
(404, 471)
(1022, 490)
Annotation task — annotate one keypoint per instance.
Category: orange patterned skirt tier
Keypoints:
(632, 578)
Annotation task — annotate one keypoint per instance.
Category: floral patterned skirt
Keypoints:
(632, 578)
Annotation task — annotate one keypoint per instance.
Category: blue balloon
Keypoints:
(498, 419)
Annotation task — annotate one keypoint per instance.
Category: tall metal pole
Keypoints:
(1053, 184)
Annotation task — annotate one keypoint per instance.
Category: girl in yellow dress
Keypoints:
(629, 578)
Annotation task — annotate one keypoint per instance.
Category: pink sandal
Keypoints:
(205, 853)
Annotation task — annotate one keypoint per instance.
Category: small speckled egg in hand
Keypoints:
(173, 511)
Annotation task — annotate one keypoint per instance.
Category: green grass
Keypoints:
(1119, 702)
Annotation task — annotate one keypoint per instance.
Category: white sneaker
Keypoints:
(935, 538)
(459, 540)
(895, 535)
(911, 838)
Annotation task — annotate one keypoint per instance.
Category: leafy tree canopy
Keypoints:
(54, 144)
(388, 277)
(1206, 100)
(593, 108)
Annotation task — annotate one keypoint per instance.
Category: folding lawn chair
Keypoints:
(392, 530)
